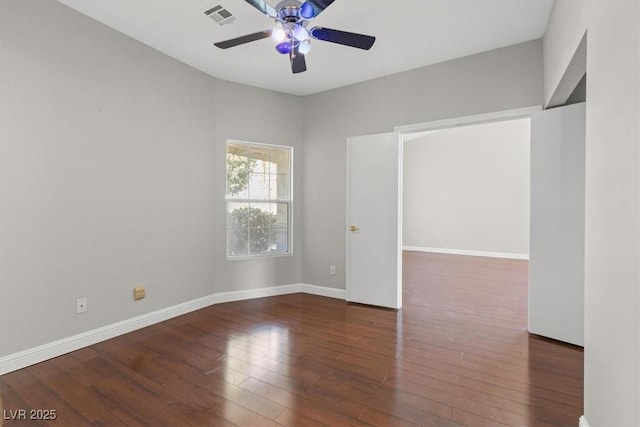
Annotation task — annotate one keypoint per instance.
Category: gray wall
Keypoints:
(112, 175)
(612, 199)
(467, 188)
(497, 80)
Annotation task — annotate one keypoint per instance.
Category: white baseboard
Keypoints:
(467, 252)
(31, 356)
(583, 422)
(325, 291)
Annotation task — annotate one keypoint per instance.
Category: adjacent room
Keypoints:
(320, 212)
(466, 190)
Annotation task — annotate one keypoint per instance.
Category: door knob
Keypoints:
(353, 229)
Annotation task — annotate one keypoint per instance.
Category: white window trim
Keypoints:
(289, 202)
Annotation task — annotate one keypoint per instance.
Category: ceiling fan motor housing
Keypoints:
(289, 15)
(289, 11)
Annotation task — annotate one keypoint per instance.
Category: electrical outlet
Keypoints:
(138, 292)
(332, 270)
(81, 305)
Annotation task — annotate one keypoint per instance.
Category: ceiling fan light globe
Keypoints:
(304, 47)
(278, 34)
(300, 33)
(284, 47)
(306, 10)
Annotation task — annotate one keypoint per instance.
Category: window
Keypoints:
(258, 199)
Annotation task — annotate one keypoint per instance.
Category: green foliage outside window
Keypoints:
(251, 226)
(238, 169)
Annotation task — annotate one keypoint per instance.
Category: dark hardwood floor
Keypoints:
(458, 353)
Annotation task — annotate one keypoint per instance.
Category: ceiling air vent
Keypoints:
(221, 15)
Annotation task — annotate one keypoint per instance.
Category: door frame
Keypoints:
(405, 131)
(475, 119)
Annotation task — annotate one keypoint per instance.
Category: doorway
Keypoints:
(471, 208)
(466, 190)
(466, 204)
(360, 157)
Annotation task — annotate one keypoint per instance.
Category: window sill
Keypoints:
(261, 256)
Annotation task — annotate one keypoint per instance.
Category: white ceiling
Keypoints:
(410, 34)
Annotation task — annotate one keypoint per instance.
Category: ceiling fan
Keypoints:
(292, 33)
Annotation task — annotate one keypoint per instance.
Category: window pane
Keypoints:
(279, 240)
(259, 187)
(237, 175)
(262, 215)
(238, 241)
(238, 215)
(281, 187)
(259, 160)
(281, 211)
(279, 162)
(259, 240)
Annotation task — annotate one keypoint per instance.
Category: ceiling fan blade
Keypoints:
(312, 8)
(298, 63)
(263, 7)
(226, 44)
(361, 41)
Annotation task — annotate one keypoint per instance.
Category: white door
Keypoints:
(374, 220)
(556, 244)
